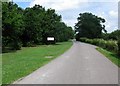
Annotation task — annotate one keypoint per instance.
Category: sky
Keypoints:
(70, 9)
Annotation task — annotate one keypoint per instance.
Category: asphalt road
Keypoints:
(81, 64)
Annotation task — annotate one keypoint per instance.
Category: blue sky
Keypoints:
(70, 9)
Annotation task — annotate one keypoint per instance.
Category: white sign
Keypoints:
(50, 38)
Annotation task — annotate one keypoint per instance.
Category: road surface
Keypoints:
(81, 64)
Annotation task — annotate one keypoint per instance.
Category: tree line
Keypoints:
(113, 35)
(30, 26)
(91, 28)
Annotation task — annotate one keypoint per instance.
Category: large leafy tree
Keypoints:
(50, 20)
(39, 23)
(89, 25)
(12, 25)
(31, 26)
(33, 22)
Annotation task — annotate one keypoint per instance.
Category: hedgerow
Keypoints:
(119, 47)
(110, 45)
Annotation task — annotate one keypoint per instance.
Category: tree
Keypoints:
(63, 32)
(114, 35)
(31, 26)
(39, 23)
(12, 25)
(50, 20)
(89, 26)
(33, 22)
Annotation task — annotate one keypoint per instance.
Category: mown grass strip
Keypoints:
(23, 62)
(110, 55)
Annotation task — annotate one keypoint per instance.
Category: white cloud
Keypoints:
(69, 9)
(113, 13)
(70, 22)
(59, 5)
(111, 25)
(108, 26)
(101, 14)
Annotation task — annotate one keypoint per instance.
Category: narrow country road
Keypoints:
(81, 64)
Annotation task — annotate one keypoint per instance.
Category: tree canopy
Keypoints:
(12, 24)
(89, 26)
(30, 26)
(114, 35)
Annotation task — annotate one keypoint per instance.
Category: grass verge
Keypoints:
(110, 55)
(23, 62)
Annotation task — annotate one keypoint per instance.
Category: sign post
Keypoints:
(50, 40)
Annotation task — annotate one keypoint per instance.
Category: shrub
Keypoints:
(83, 39)
(119, 47)
(95, 42)
(112, 45)
(102, 43)
(15, 45)
(109, 45)
(30, 44)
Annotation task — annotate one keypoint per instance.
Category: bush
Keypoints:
(109, 45)
(82, 39)
(112, 45)
(30, 44)
(95, 42)
(119, 47)
(102, 43)
(16, 45)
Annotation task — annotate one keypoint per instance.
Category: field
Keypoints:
(23, 62)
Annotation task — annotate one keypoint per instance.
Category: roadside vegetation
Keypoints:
(24, 33)
(91, 29)
(23, 62)
(109, 45)
(109, 48)
(30, 26)
(110, 55)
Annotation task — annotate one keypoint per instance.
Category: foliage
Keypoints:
(105, 36)
(12, 25)
(114, 35)
(119, 47)
(31, 26)
(109, 44)
(89, 25)
(32, 23)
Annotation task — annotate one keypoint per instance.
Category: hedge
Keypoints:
(110, 45)
(119, 47)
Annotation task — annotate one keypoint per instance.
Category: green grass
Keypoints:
(110, 55)
(23, 62)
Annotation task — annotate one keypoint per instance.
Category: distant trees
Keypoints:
(114, 35)
(89, 26)
(31, 26)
